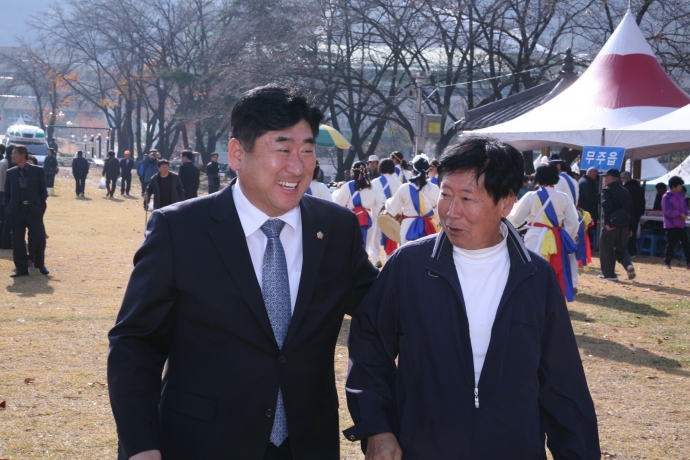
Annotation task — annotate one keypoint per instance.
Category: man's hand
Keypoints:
(383, 446)
(609, 228)
(148, 455)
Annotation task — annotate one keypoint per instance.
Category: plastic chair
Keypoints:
(647, 244)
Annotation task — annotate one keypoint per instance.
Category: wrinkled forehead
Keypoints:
(464, 180)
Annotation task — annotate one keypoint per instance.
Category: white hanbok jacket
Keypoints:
(527, 208)
(401, 203)
(320, 190)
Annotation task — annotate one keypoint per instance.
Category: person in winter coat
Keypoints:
(50, 167)
(165, 187)
(149, 168)
(111, 171)
(617, 208)
(189, 175)
(639, 204)
(213, 174)
(675, 211)
(487, 363)
(80, 169)
(126, 165)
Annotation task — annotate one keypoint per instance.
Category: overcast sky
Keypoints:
(14, 16)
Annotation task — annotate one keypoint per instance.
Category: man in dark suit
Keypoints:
(213, 174)
(80, 169)
(189, 175)
(25, 204)
(242, 293)
(126, 165)
(111, 171)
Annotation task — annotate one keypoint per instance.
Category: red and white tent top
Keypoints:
(624, 85)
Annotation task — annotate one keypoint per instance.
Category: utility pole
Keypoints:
(420, 78)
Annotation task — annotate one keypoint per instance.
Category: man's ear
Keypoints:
(235, 154)
(507, 204)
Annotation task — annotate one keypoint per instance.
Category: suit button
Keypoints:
(282, 359)
(269, 413)
(352, 437)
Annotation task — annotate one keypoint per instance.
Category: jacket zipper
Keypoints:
(476, 398)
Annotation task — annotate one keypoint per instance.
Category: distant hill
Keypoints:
(16, 12)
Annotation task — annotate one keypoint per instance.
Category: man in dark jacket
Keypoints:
(617, 208)
(487, 362)
(590, 199)
(80, 169)
(189, 175)
(213, 174)
(149, 168)
(660, 192)
(165, 187)
(639, 204)
(126, 165)
(25, 203)
(50, 167)
(111, 171)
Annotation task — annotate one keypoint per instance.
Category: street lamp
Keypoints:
(100, 146)
(86, 139)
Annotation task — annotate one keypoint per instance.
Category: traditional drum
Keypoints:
(390, 225)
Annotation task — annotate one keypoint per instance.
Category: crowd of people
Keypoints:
(25, 187)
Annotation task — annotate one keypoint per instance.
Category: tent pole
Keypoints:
(600, 224)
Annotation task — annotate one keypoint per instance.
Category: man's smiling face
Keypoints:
(276, 175)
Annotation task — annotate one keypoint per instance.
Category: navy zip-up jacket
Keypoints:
(532, 384)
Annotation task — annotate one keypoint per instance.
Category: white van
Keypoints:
(33, 137)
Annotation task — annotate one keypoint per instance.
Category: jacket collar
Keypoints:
(519, 256)
(230, 241)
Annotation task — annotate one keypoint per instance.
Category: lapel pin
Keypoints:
(319, 235)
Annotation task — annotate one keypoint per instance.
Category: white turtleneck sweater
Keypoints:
(483, 275)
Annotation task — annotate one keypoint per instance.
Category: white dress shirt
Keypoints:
(483, 275)
(252, 219)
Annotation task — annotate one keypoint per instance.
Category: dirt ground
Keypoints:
(634, 341)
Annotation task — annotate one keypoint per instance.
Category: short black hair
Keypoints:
(675, 181)
(2, 149)
(51, 151)
(661, 186)
(501, 164)
(214, 154)
(188, 154)
(386, 166)
(271, 108)
(22, 150)
(162, 162)
(525, 179)
(546, 174)
(111, 153)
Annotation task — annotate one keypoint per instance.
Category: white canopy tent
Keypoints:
(682, 170)
(662, 135)
(624, 85)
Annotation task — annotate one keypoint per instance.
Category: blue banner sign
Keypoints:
(602, 158)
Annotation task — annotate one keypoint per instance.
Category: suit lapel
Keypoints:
(313, 249)
(228, 236)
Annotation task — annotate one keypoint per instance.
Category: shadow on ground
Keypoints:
(621, 304)
(29, 286)
(663, 288)
(577, 316)
(613, 351)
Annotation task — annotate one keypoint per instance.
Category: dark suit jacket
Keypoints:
(126, 168)
(193, 299)
(189, 175)
(111, 168)
(589, 196)
(615, 196)
(177, 192)
(80, 167)
(36, 192)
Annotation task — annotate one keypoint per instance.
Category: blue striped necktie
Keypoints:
(275, 289)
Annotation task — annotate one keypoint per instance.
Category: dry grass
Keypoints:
(53, 329)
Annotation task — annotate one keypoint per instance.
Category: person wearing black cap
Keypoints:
(80, 169)
(213, 174)
(617, 207)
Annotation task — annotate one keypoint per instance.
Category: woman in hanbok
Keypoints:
(417, 201)
(552, 224)
(359, 196)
